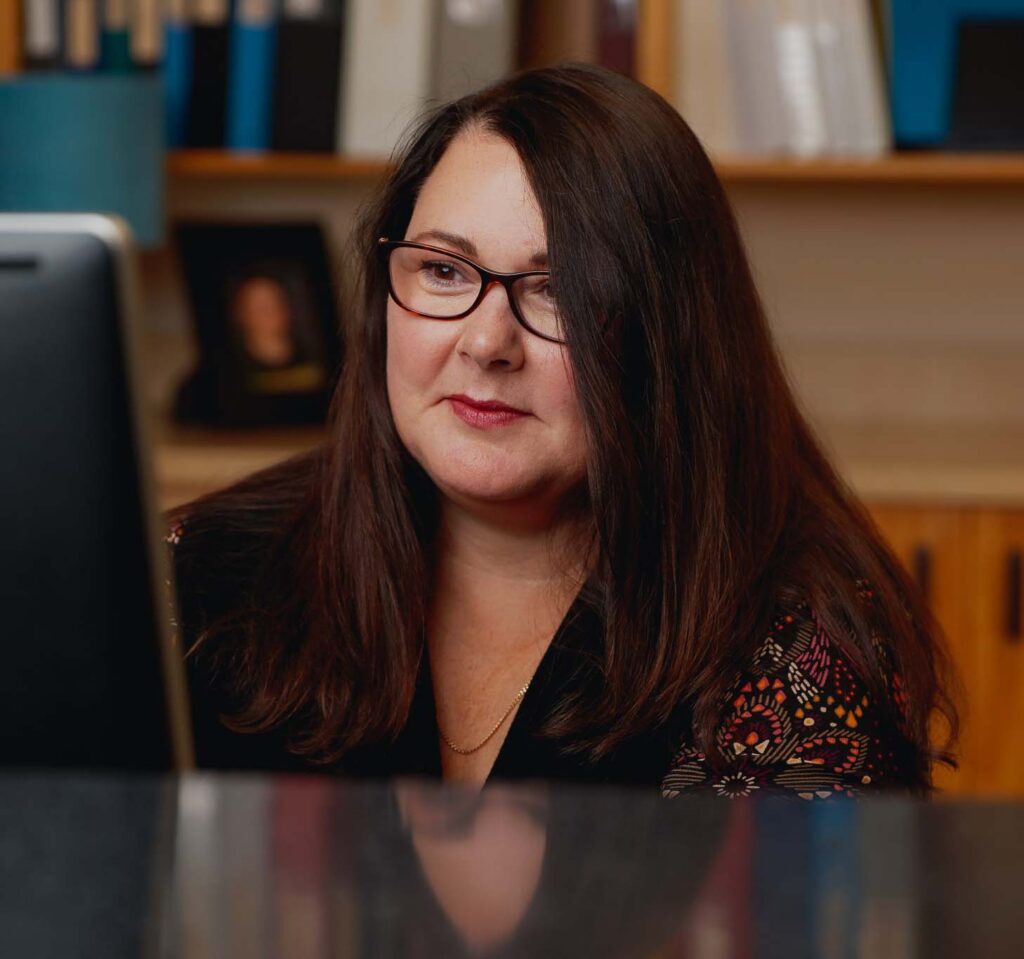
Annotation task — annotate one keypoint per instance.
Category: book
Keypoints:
(988, 110)
(145, 34)
(801, 104)
(871, 133)
(703, 84)
(207, 102)
(474, 46)
(757, 99)
(115, 49)
(882, 27)
(386, 73)
(11, 39)
(558, 32)
(250, 75)
(177, 71)
(923, 63)
(832, 50)
(41, 24)
(81, 35)
(307, 76)
(616, 35)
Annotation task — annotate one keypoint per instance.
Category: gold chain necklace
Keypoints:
(497, 726)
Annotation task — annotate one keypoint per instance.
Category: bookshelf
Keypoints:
(926, 168)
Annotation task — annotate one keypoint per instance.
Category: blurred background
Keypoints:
(873, 151)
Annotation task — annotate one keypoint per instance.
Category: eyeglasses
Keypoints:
(441, 285)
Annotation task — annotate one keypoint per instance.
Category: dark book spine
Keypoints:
(307, 82)
(616, 37)
(207, 105)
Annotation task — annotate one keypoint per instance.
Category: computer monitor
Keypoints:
(90, 675)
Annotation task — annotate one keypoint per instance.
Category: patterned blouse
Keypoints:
(799, 720)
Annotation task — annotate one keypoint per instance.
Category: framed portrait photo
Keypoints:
(264, 305)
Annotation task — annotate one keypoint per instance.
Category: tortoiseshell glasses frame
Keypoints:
(541, 314)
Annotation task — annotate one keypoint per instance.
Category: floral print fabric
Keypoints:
(799, 720)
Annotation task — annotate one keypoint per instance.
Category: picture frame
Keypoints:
(264, 304)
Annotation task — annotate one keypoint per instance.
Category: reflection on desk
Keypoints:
(217, 866)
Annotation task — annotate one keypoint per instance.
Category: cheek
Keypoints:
(556, 387)
(557, 384)
(415, 355)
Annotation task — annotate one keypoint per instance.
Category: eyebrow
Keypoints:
(468, 247)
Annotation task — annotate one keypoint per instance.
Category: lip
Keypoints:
(483, 414)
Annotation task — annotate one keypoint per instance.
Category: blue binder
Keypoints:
(177, 80)
(250, 83)
(923, 56)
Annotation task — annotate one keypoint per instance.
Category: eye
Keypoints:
(539, 289)
(442, 273)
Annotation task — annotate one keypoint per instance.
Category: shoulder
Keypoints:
(206, 589)
(222, 543)
(213, 565)
(801, 719)
(204, 596)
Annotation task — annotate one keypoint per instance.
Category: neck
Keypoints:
(502, 583)
(506, 544)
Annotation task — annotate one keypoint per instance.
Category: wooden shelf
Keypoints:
(189, 462)
(938, 168)
(221, 164)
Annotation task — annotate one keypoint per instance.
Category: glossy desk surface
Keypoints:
(217, 866)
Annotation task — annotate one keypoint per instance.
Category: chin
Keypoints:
(470, 486)
(484, 475)
(479, 470)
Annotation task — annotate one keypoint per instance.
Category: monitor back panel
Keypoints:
(81, 679)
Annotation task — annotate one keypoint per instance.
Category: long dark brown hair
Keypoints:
(712, 502)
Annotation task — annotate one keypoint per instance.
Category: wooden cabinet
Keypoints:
(995, 634)
(932, 542)
(968, 563)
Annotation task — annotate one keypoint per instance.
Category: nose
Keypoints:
(491, 337)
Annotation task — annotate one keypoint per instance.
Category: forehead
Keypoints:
(480, 190)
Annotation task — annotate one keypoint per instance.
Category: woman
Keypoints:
(569, 522)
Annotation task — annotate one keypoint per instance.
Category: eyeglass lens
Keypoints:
(428, 282)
